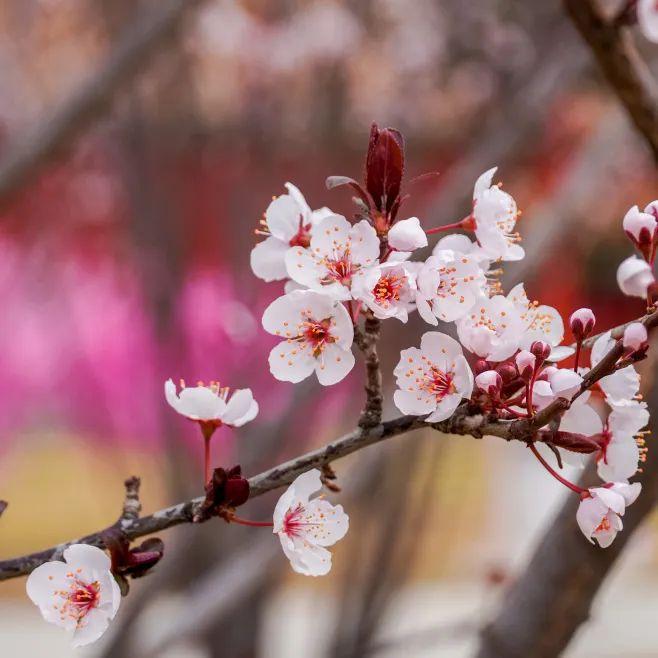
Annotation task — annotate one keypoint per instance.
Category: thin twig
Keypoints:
(367, 340)
(131, 504)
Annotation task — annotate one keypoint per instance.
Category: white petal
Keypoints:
(334, 365)
(407, 235)
(591, 512)
(610, 499)
(282, 217)
(622, 457)
(291, 361)
(439, 347)
(329, 523)
(444, 408)
(241, 408)
(414, 403)
(299, 199)
(484, 182)
(364, 244)
(306, 484)
(93, 625)
(267, 259)
(90, 557)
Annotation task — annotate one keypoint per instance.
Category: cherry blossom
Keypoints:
(494, 215)
(449, 283)
(493, 329)
(337, 252)
(407, 235)
(462, 244)
(640, 227)
(433, 379)
(623, 385)
(634, 276)
(620, 452)
(525, 364)
(601, 508)
(306, 527)
(647, 17)
(388, 290)
(555, 383)
(288, 222)
(211, 405)
(542, 323)
(79, 595)
(317, 333)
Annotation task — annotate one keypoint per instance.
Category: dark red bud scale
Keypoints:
(384, 167)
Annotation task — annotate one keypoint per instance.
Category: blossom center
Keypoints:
(339, 269)
(388, 288)
(79, 599)
(303, 236)
(317, 334)
(604, 526)
(438, 383)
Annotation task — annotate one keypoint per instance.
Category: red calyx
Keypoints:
(570, 441)
(226, 490)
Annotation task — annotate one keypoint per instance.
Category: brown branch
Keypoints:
(621, 64)
(462, 422)
(94, 97)
(131, 504)
(3, 506)
(367, 340)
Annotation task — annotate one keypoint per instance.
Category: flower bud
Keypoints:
(582, 322)
(507, 371)
(634, 276)
(525, 363)
(635, 337)
(541, 350)
(490, 382)
(384, 167)
(480, 366)
(640, 227)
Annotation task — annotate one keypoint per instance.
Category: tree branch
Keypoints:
(621, 64)
(93, 98)
(367, 340)
(463, 422)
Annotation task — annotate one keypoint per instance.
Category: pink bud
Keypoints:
(507, 371)
(480, 366)
(490, 382)
(525, 362)
(582, 322)
(541, 350)
(640, 227)
(635, 337)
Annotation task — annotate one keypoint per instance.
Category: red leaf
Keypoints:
(384, 167)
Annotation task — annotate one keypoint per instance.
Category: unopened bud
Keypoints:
(582, 322)
(640, 227)
(541, 350)
(480, 366)
(525, 363)
(635, 337)
(507, 371)
(490, 382)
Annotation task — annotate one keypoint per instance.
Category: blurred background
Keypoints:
(127, 209)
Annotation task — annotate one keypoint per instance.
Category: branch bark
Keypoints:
(621, 64)
(367, 340)
(463, 422)
(94, 97)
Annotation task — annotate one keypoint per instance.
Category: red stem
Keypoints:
(577, 357)
(206, 459)
(254, 524)
(445, 227)
(552, 471)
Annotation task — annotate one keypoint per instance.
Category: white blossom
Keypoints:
(337, 252)
(212, 403)
(541, 322)
(634, 276)
(599, 513)
(449, 283)
(640, 226)
(306, 527)
(407, 235)
(288, 222)
(493, 329)
(388, 290)
(433, 379)
(79, 595)
(317, 333)
(495, 214)
(555, 383)
(622, 386)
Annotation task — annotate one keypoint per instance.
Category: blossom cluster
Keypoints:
(498, 353)
(496, 357)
